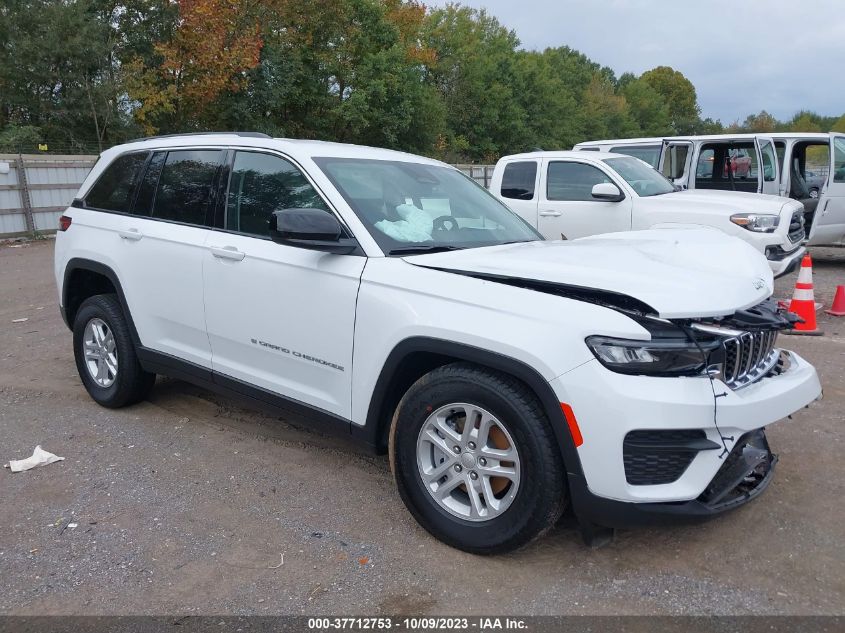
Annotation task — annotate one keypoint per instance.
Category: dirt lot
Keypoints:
(187, 504)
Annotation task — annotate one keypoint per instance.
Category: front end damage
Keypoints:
(691, 443)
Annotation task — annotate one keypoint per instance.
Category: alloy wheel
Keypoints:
(100, 352)
(468, 462)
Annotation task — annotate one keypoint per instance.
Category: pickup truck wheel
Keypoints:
(475, 459)
(105, 355)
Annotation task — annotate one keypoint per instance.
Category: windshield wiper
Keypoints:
(420, 249)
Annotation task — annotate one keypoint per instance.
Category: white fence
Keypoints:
(36, 188)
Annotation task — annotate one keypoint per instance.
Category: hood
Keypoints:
(678, 273)
(730, 201)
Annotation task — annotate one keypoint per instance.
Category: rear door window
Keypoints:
(185, 186)
(116, 186)
(149, 184)
(518, 180)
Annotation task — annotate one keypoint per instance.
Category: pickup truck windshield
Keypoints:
(414, 207)
(642, 178)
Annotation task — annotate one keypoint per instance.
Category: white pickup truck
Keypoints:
(567, 195)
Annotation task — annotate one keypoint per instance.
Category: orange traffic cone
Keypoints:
(838, 307)
(803, 303)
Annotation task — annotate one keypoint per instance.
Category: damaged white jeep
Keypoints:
(395, 301)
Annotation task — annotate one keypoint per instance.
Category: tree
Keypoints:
(57, 71)
(805, 122)
(474, 74)
(647, 106)
(607, 113)
(214, 44)
(709, 126)
(762, 123)
(679, 95)
(839, 126)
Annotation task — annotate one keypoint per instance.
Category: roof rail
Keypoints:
(246, 134)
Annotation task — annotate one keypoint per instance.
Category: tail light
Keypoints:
(64, 222)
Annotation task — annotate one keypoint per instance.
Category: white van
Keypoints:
(809, 167)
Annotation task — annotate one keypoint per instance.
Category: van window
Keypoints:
(518, 180)
(115, 187)
(769, 170)
(648, 153)
(675, 161)
(261, 184)
(729, 166)
(185, 185)
(573, 181)
(838, 159)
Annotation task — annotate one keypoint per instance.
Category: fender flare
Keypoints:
(375, 421)
(79, 263)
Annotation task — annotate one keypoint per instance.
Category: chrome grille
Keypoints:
(796, 227)
(749, 357)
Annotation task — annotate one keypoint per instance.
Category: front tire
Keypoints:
(105, 355)
(475, 459)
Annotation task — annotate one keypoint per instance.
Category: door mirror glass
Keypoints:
(607, 191)
(314, 229)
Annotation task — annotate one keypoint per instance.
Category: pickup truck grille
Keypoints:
(749, 357)
(796, 227)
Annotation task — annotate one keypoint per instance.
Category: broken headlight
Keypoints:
(675, 356)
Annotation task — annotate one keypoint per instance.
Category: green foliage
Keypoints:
(648, 107)
(679, 95)
(81, 75)
(20, 139)
(839, 126)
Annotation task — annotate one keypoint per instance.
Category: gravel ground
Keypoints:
(190, 504)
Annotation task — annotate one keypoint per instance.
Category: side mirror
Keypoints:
(608, 192)
(314, 229)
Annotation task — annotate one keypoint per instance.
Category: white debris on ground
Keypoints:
(39, 457)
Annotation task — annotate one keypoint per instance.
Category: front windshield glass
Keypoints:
(642, 178)
(411, 207)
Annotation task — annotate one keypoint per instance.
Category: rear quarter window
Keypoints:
(116, 186)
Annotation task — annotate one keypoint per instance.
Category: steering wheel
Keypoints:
(440, 223)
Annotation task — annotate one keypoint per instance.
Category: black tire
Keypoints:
(541, 496)
(131, 384)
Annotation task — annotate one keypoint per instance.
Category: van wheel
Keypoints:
(105, 355)
(475, 460)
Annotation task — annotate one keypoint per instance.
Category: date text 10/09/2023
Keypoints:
(480, 624)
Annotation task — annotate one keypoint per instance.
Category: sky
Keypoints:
(743, 56)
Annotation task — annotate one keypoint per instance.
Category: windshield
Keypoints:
(642, 178)
(414, 206)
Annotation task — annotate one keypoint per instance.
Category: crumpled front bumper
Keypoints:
(746, 472)
(608, 406)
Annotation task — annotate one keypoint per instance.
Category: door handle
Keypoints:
(553, 214)
(130, 234)
(227, 252)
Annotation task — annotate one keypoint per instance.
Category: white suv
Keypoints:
(568, 195)
(401, 304)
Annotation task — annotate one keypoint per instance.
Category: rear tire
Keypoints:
(485, 513)
(105, 354)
